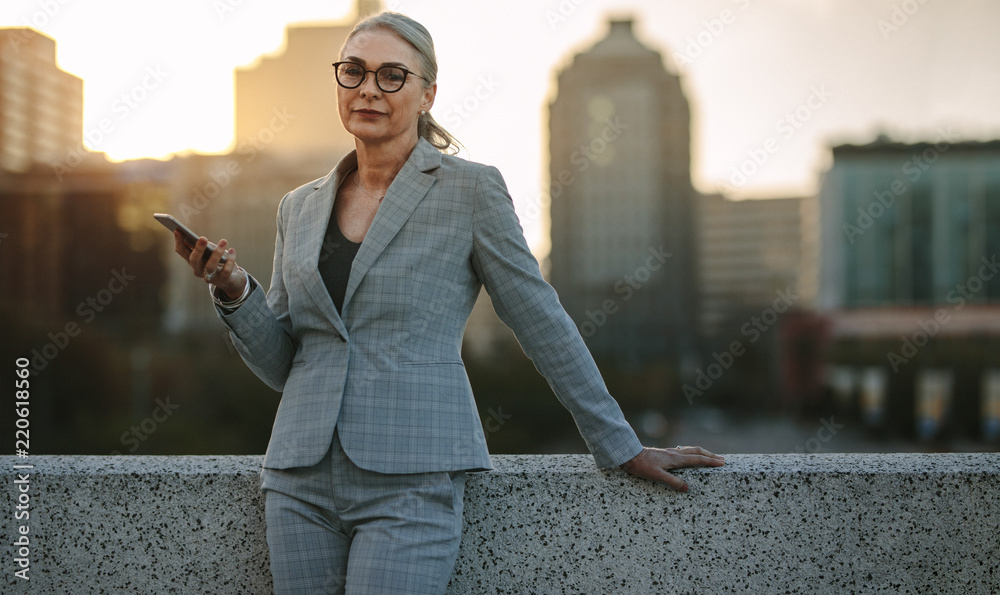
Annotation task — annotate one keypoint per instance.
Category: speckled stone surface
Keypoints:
(898, 523)
(147, 524)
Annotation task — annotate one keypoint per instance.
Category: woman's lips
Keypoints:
(368, 113)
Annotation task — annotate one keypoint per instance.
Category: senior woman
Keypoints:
(376, 270)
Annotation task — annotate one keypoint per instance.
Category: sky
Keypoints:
(772, 83)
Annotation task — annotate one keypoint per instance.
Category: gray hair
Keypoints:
(420, 39)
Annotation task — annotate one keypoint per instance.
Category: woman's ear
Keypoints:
(429, 93)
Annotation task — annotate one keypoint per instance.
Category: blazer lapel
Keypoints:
(402, 197)
(311, 231)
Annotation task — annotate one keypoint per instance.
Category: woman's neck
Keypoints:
(378, 164)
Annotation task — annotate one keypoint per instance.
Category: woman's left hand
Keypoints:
(653, 463)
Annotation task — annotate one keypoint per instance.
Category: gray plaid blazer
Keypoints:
(388, 373)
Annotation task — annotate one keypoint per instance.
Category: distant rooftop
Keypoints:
(884, 144)
(620, 41)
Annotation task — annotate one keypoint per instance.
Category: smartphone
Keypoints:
(190, 237)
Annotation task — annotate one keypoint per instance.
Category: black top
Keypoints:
(335, 259)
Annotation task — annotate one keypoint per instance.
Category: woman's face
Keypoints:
(370, 114)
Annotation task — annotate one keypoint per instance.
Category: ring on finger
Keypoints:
(210, 276)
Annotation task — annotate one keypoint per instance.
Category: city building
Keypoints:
(906, 225)
(41, 105)
(751, 252)
(622, 212)
(756, 287)
(296, 87)
(910, 281)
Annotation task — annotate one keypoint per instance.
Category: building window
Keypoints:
(921, 260)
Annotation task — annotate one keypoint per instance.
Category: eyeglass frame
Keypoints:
(406, 73)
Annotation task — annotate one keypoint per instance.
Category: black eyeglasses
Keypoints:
(389, 79)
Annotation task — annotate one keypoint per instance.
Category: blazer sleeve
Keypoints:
(261, 329)
(527, 304)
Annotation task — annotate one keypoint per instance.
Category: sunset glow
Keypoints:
(771, 82)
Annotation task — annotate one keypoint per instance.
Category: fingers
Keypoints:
(195, 256)
(697, 453)
(202, 262)
(699, 461)
(692, 456)
(230, 265)
(179, 246)
(229, 278)
(652, 464)
(693, 450)
(212, 264)
(673, 481)
(659, 473)
(655, 463)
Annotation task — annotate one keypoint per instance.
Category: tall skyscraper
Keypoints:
(41, 106)
(623, 254)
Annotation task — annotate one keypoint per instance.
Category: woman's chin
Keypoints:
(368, 131)
(378, 134)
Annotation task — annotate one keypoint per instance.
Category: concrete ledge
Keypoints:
(902, 523)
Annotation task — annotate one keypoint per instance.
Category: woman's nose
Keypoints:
(369, 86)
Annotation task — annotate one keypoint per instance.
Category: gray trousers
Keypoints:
(337, 528)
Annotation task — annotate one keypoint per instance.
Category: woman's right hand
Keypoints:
(653, 463)
(230, 279)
